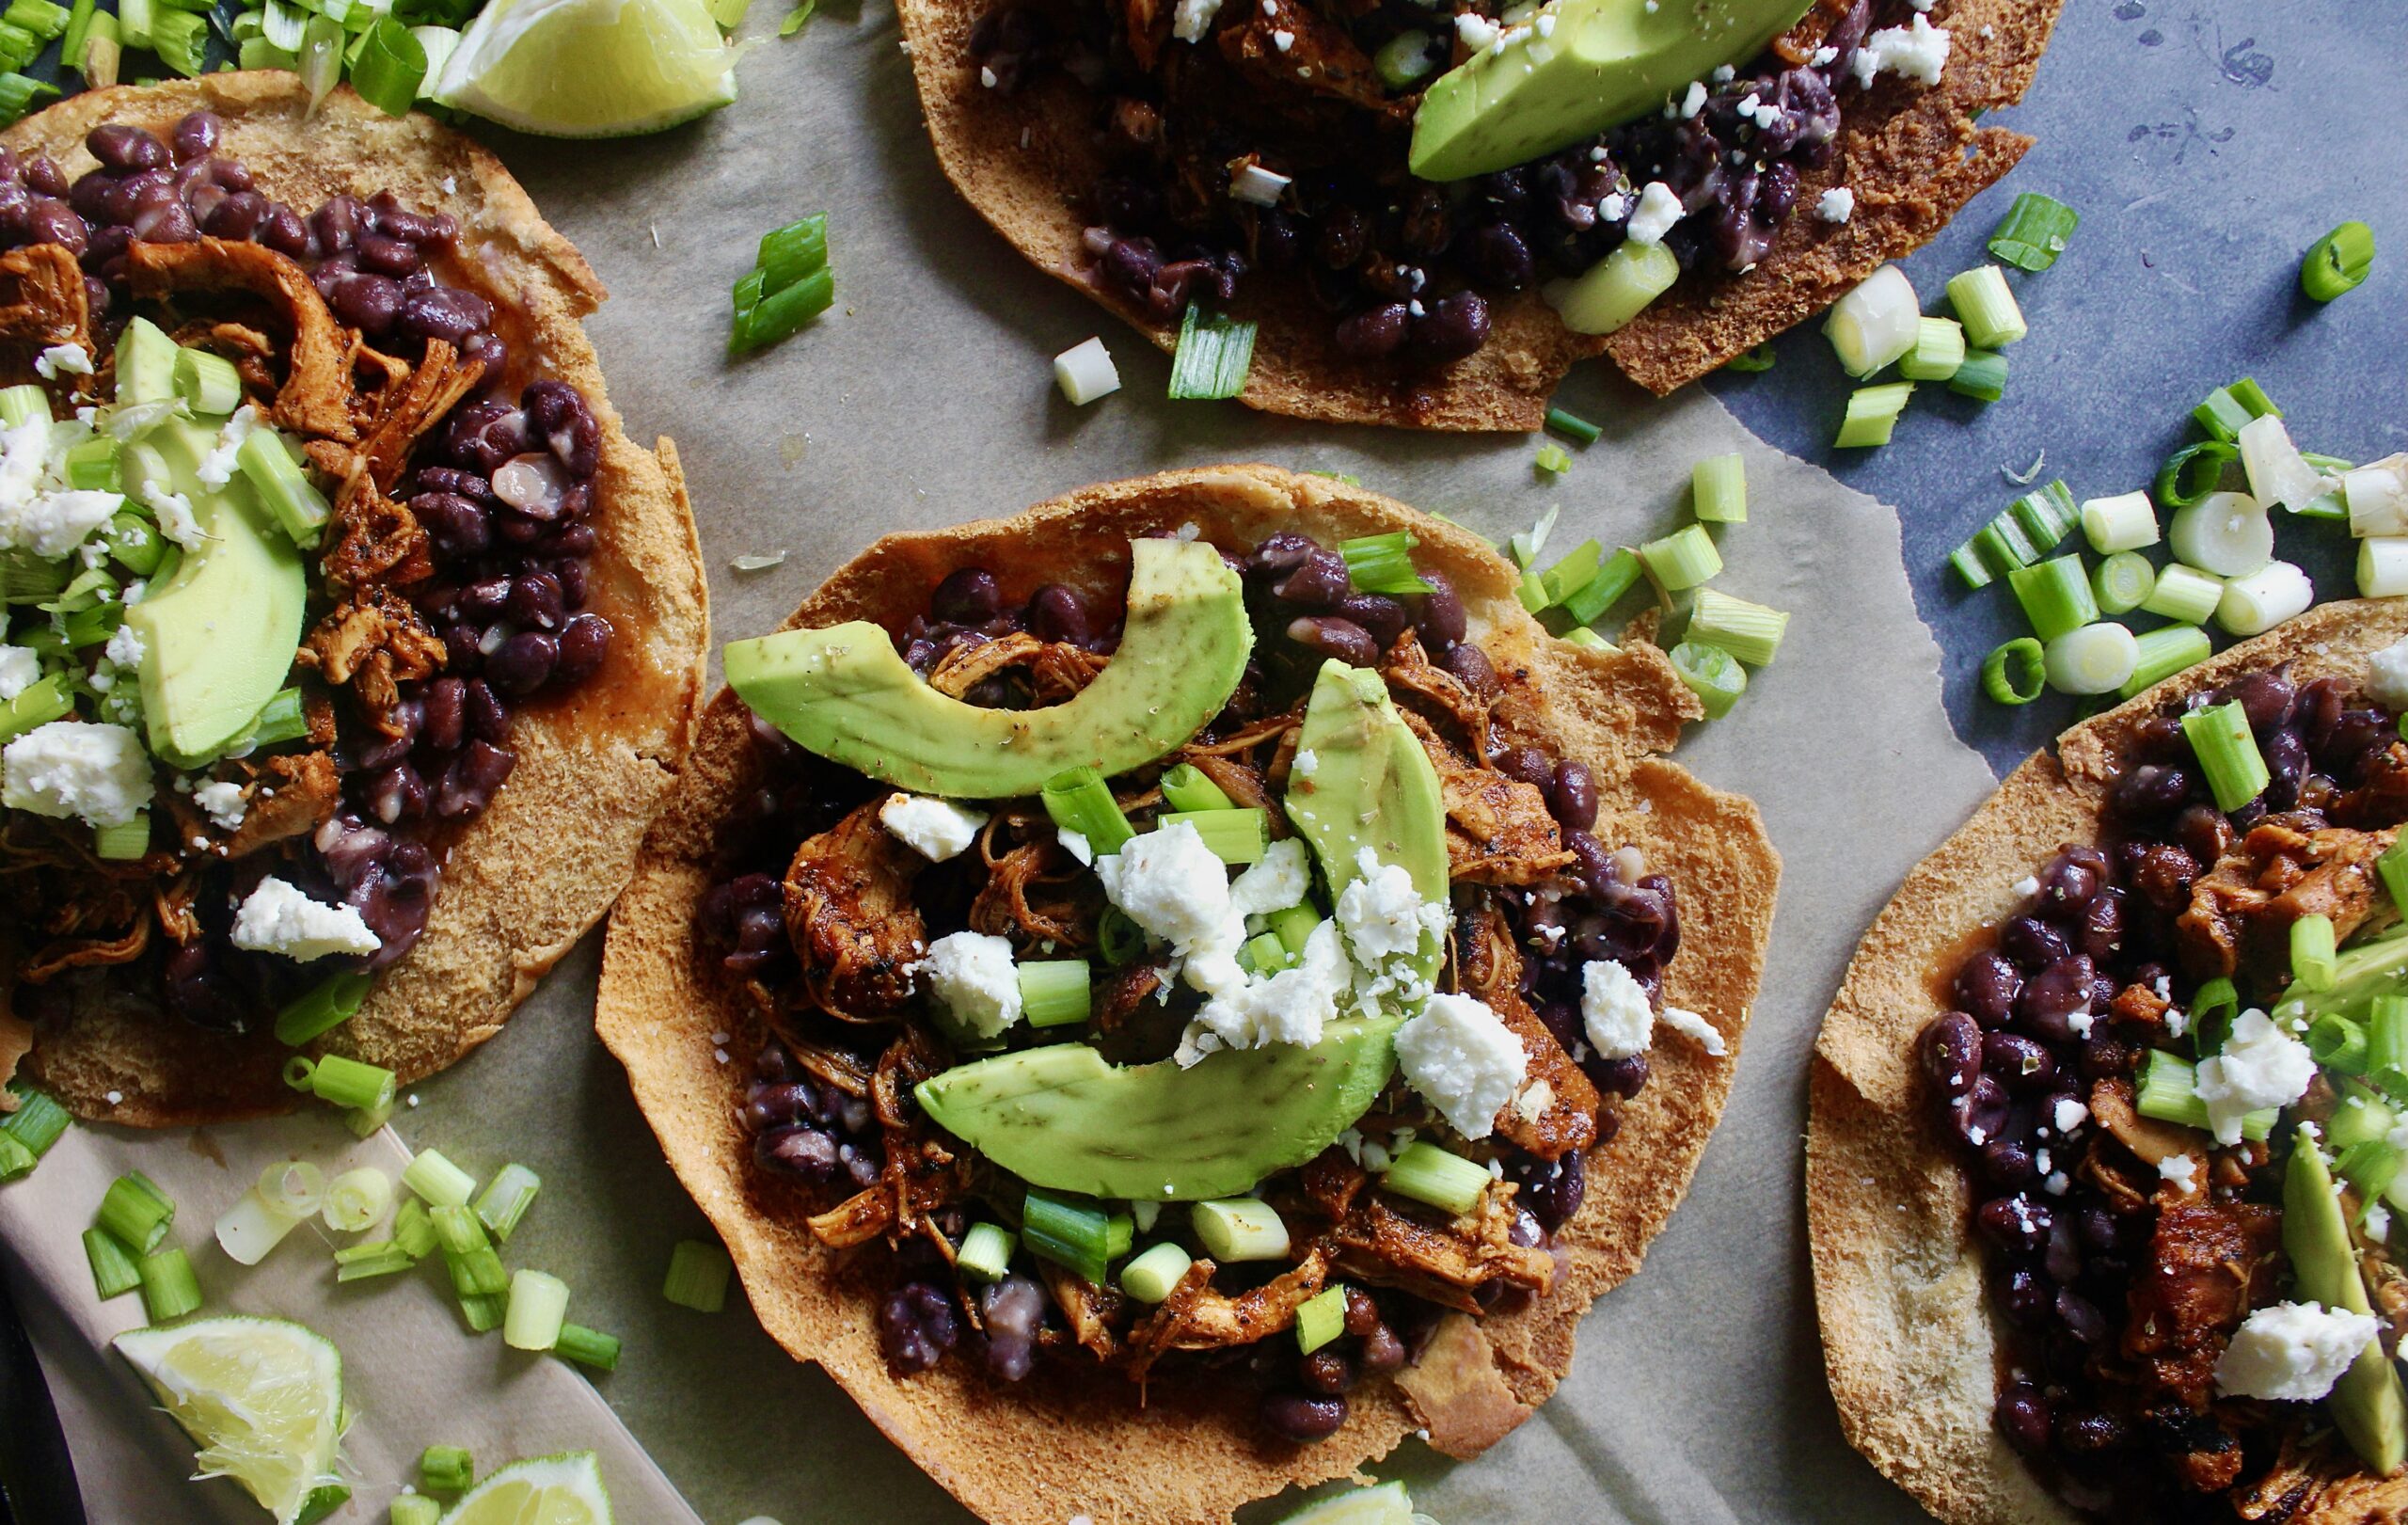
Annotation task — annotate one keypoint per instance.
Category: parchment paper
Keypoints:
(926, 397)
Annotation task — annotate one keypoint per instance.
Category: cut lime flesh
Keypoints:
(262, 1398)
(590, 67)
(542, 1490)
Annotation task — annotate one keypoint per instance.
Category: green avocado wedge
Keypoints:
(843, 694)
(1601, 63)
(2367, 1405)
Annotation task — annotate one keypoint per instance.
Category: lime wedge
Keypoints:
(542, 1490)
(262, 1398)
(1386, 1504)
(590, 67)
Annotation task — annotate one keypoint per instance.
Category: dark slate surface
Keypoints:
(2206, 146)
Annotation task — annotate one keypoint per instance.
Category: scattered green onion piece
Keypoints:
(482, 1313)
(388, 66)
(986, 1251)
(2164, 652)
(729, 13)
(208, 383)
(1572, 572)
(458, 1230)
(414, 1509)
(1077, 1237)
(538, 1307)
(1187, 787)
(1214, 353)
(1294, 925)
(1527, 544)
(1403, 59)
(1586, 640)
(1120, 940)
(79, 26)
(16, 1160)
(2169, 1090)
(38, 1119)
(1240, 1229)
(357, 1199)
(2369, 1166)
(38, 703)
(2014, 672)
(135, 1212)
(1055, 993)
(23, 403)
(91, 465)
(1382, 563)
(294, 1187)
(1531, 591)
(1266, 954)
(2055, 595)
(1985, 305)
(1321, 1318)
(1153, 1275)
(2122, 583)
(2194, 471)
(2336, 1042)
(2093, 659)
(1427, 1173)
(366, 1262)
(2382, 566)
(2387, 1039)
(2033, 232)
(1234, 836)
(1079, 802)
(1719, 486)
(438, 1180)
(698, 1273)
(345, 1082)
(300, 1071)
(125, 841)
(1553, 459)
(2047, 514)
(2338, 262)
(1877, 321)
(102, 53)
(365, 1121)
(1711, 673)
(322, 1008)
(506, 1198)
(2224, 411)
(587, 1347)
(1982, 376)
(114, 1272)
(1751, 632)
(259, 53)
(1617, 574)
(284, 719)
(2392, 867)
(2124, 522)
(748, 292)
(180, 39)
(779, 315)
(300, 509)
(169, 1289)
(1939, 353)
(478, 1273)
(2184, 593)
(2313, 950)
(1616, 289)
(414, 1229)
(1682, 560)
(1750, 362)
(2228, 754)
(2213, 1006)
(1574, 427)
(1872, 415)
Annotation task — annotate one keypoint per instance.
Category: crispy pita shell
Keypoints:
(1066, 1442)
(524, 880)
(1907, 1337)
(1913, 156)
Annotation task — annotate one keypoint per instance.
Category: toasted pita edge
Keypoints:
(1064, 1443)
(1913, 156)
(1909, 1342)
(524, 880)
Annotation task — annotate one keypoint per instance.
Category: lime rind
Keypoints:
(259, 1397)
(590, 67)
(562, 1490)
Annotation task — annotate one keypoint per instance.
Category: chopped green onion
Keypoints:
(458, 1230)
(169, 1289)
(506, 1198)
(1711, 673)
(38, 1122)
(2194, 471)
(346, 1082)
(2169, 1090)
(447, 1469)
(1055, 993)
(1586, 640)
(1079, 802)
(300, 509)
(483, 1311)
(2093, 659)
(114, 1272)
(2382, 566)
(698, 1273)
(538, 1307)
(1186, 787)
(1985, 305)
(438, 1180)
(728, 13)
(1234, 836)
(364, 1120)
(91, 466)
(2184, 593)
(1118, 938)
(1939, 353)
(369, 1259)
(2047, 514)
(1574, 427)
(1616, 289)
(2393, 868)
(1967, 561)
(2124, 522)
(102, 52)
(322, 1008)
(587, 1347)
(1403, 59)
(476, 1273)
(1266, 954)
(1750, 362)
(1527, 544)
(2313, 950)
(79, 25)
(2014, 672)
(2387, 1039)
(1683, 559)
(2033, 232)
(180, 39)
(1876, 323)
(1981, 377)
(2336, 1042)
(1321, 1318)
(986, 1251)
(1572, 572)
(1872, 414)
(1553, 459)
(208, 383)
(125, 841)
(2122, 583)
(1080, 1238)
(2228, 754)
(135, 1212)
(1718, 484)
(357, 1199)
(2162, 653)
(1531, 591)
(2224, 412)
(23, 403)
(1751, 632)
(779, 316)
(1240, 1229)
(294, 1187)
(2055, 595)
(37, 703)
(1214, 353)
(1294, 925)
(1382, 563)
(414, 1229)
(2255, 604)
(1153, 1275)
(1616, 576)
(388, 66)
(1427, 1173)
(2213, 1006)
(16, 1160)
(300, 1072)
(2338, 262)
(2367, 1166)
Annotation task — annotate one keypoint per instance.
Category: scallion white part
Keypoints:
(249, 1229)
(1614, 290)
(2377, 494)
(2382, 566)
(2095, 659)
(538, 1304)
(293, 1187)
(2227, 533)
(2184, 593)
(2255, 604)
(1086, 372)
(2127, 521)
(1875, 324)
(1257, 186)
(1985, 305)
(2277, 472)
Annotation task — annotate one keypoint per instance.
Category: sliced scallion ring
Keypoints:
(2016, 672)
(2094, 659)
(2122, 583)
(2338, 262)
(2225, 533)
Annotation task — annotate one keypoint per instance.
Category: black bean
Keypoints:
(1953, 1053)
(1451, 328)
(916, 1327)
(2149, 789)
(2100, 933)
(50, 220)
(1986, 986)
(16, 212)
(2017, 1224)
(44, 178)
(447, 715)
(469, 784)
(1440, 616)
(1471, 667)
(398, 794)
(1553, 1191)
(535, 601)
(1279, 553)
(524, 662)
(2052, 995)
(1333, 637)
(169, 224)
(444, 313)
(337, 225)
(2286, 766)
(484, 598)
(120, 147)
(968, 597)
(1319, 581)
(90, 195)
(798, 1149)
(237, 216)
(1305, 1420)
(1375, 333)
(2071, 878)
(585, 642)
(197, 136)
(1979, 1114)
(284, 231)
(558, 415)
(2018, 1063)
(2083, 1319)
(1623, 1077)
(1058, 613)
(2268, 697)
(2023, 1296)
(1501, 259)
(1383, 616)
(2063, 1259)
(232, 174)
(536, 486)
(2022, 1417)
(490, 352)
(367, 303)
(1343, 238)
(1326, 1370)
(1572, 796)
(2008, 1164)
(2032, 943)
(459, 527)
(1013, 1311)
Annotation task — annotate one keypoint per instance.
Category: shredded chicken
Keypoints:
(1055, 670)
(1093, 1313)
(1038, 894)
(2111, 1107)
(293, 793)
(2208, 1263)
(851, 917)
(2241, 910)
(317, 398)
(1422, 686)
(2319, 1480)
(1556, 1110)
(1443, 1264)
(375, 641)
(1498, 830)
(42, 304)
(429, 390)
(2380, 797)
(1197, 1317)
(371, 539)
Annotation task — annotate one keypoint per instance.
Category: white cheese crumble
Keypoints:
(1613, 206)
(222, 800)
(73, 768)
(1658, 209)
(1918, 52)
(224, 459)
(1290, 1006)
(1191, 19)
(2378, 1222)
(935, 829)
(63, 360)
(1476, 30)
(2180, 1170)
(1697, 1029)
(1385, 919)
(1693, 100)
(2025, 888)
(1307, 759)
(20, 668)
(1837, 204)
(1463, 1060)
(1614, 1011)
(1076, 843)
(2293, 1352)
(277, 918)
(1279, 881)
(125, 648)
(971, 976)
(1257, 186)
(176, 521)
(2070, 1115)
(2262, 1065)
(1170, 885)
(2387, 677)
(1283, 39)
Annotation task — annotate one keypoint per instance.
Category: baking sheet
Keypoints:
(926, 397)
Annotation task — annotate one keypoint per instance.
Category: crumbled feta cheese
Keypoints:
(2378, 1222)
(2056, 1184)
(2261, 1066)
(2177, 1020)
(1697, 1029)
(1823, 56)
(1614, 1011)
(1076, 843)
(2387, 677)
(986, 75)
(1279, 881)
(2293, 1352)
(971, 976)
(1724, 74)
(63, 360)
(71, 768)
(277, 918)
(2080, 1023)
(1476, 30)
(1658, 209)
(49, 524)
(1918, 52)
(2025, 888)
(1693, 100)
(125, 648)
(1307, 760)
(1171, 885)
(1191, 19)
(1837, 204)
(1384, 917)
(2182, 1169)
(1283, 39)
(1290, 1006)
(1256, 185)
(224, 459)
(176, 521)
(2070, 1115)
(934, 828)
(1463, 1060)
(222, 799)
(20, 668)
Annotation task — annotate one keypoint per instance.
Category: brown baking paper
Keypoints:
(926, 397)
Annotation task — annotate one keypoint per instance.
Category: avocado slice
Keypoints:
(219, 634)
(1602, 63)
(843, 694)
(1062, 1118)
(2367, 1405)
